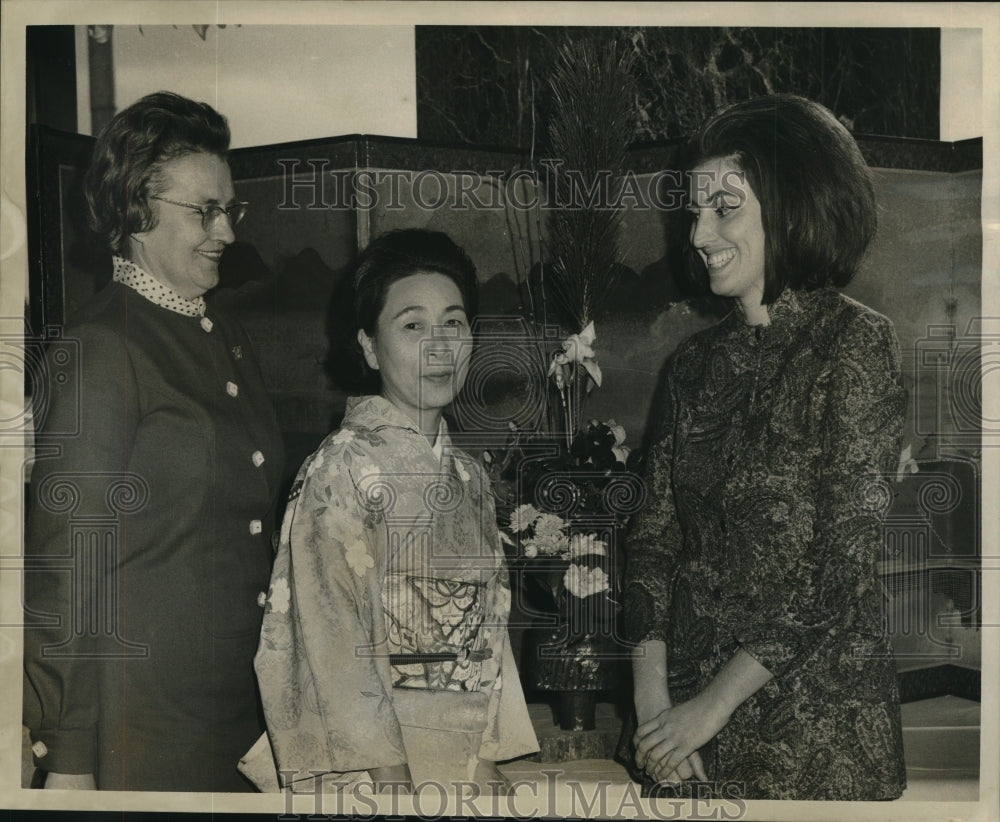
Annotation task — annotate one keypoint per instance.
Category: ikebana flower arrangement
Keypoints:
(562, 511)
(566, 564)
(564, 495)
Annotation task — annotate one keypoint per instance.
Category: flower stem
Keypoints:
(569, 414)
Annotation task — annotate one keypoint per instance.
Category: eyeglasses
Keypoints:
(211, 213)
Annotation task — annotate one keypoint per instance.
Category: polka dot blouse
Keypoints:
(128, 273)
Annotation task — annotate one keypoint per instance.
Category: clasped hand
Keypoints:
(667, 745)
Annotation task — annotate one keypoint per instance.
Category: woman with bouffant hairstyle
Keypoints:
(816, 196)
(762, 666)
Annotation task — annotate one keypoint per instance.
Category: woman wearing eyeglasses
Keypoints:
(139, 645)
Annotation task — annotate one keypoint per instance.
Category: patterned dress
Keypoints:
(388, 547)
(766, 483)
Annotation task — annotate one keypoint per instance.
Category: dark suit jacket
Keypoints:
(148, 543)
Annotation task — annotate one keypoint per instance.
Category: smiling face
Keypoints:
(421, 346)
(179, 252)
(728, 233)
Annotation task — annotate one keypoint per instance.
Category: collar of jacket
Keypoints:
(142, 282)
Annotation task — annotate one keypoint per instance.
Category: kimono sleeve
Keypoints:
(827, 588)
(654, 536)
(509, 732)
(322, 664)
(97, 401)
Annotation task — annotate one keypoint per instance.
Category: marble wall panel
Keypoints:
(489, 84)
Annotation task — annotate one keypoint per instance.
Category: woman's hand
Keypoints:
(689, 768)
(70, 782)
(652, 698)
(392, 778)
(665, 741)
(670, 741)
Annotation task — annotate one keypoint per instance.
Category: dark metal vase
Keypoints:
(576, 710)
(573, 670)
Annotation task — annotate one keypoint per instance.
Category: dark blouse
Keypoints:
(148, 544)
(767, 485)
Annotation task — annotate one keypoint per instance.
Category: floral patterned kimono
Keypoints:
(386, 621)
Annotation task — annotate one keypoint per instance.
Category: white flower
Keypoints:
(530, 550)
(581, 545)
(621, 453)
(559, 358)
(366, 478)
(343, 437)
(279, 596)
(617, 430)
(580, 348)
(594, 370)
(551, 543)
(315, 463)
(523, 517)
(358, 558)
(583, 582)
(460, 470)
(548, 526)
(559, 370)
(907, 465)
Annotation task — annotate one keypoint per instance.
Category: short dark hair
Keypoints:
(361, 297)
(816, 194)
(130, 152)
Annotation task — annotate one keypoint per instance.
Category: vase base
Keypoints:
(576, 710)
(557, 745)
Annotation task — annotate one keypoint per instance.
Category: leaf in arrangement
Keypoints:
(592, 123)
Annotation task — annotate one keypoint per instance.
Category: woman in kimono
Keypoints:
(762, 664)
(384, 649)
